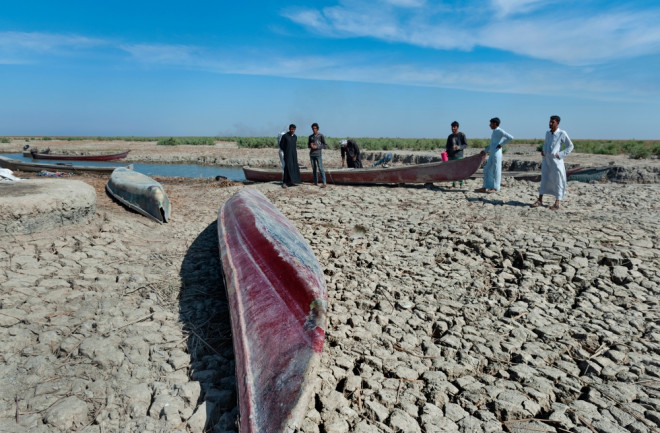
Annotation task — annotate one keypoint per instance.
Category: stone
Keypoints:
(400, 421)
(376, 410)
(67, 413)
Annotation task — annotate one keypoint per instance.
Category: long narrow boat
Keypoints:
(14, 164)
(278, 301)
(139, 193)
(578, 174)
(417, 173)
(60, 157)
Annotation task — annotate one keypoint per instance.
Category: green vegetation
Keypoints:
(110, 138)
(197, 141)
(636, 149)
(254, 142)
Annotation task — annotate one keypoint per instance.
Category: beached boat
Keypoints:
(111, 157)
(588, 174)
(14, 164)
(577, 174)
(417, 173)
(278, 301)
(139, 193)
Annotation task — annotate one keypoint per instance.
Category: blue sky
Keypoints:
(390, 68)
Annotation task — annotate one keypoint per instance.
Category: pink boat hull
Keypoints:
(419, 173)
(277, 298)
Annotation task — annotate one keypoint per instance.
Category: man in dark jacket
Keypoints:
(456, 142)
(316, 144)
(288, 144)
(351, 154)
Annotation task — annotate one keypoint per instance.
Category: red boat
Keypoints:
(278, 300)
(418, 173)
(36, 155)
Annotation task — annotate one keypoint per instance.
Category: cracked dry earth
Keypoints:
(449, 310)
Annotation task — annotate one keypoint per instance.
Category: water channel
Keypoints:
(150, 169)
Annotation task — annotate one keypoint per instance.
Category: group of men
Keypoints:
(288, 142)
(556, 147)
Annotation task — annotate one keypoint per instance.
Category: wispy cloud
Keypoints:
(532, 28)
(505, 8)
(406, 3)
(579, 41)
(36, 42)
(20, 48)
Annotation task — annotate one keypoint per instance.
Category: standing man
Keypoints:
(350, 153)
(493, 168)
(456, 142)
(316, 144)
(288, 144)
(557, 146)
(280, 151)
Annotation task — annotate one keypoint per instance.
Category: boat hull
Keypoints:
(14, 164)
(278, 300)
(418, 173)
(578, 174)
(139, 193)
(112, 157)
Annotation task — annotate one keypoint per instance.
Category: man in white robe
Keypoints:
(557, 146)
(493, 168)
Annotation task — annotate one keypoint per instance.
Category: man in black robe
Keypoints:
(288, 143)
(350, 152)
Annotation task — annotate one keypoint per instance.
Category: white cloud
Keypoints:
(36, 42)
(567, 34)
(341, 22)
(578, 41)
(504, 8)
(406, 3)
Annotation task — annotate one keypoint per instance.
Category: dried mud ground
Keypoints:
(449, 310)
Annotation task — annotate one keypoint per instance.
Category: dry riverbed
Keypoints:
(449, 310)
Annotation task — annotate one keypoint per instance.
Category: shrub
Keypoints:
(5, 140)
(167, 142)
(260, 142)
(197, 141)
(655, 148)
(638, 150)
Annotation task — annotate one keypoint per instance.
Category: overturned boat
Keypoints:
(278, 300)
(139, 193)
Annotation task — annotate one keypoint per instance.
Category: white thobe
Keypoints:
(281, 152)
(493, 168)
(553, 172)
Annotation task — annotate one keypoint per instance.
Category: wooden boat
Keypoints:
(578, 174)
(278, 301)
(139, 193)
(587, 174)
(36, 155)
(14, 164)
(417, 173)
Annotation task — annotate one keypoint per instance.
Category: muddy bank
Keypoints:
(449, 310)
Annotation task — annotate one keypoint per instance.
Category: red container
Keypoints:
(444, 156)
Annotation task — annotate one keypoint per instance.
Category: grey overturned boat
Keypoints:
(139, 193)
